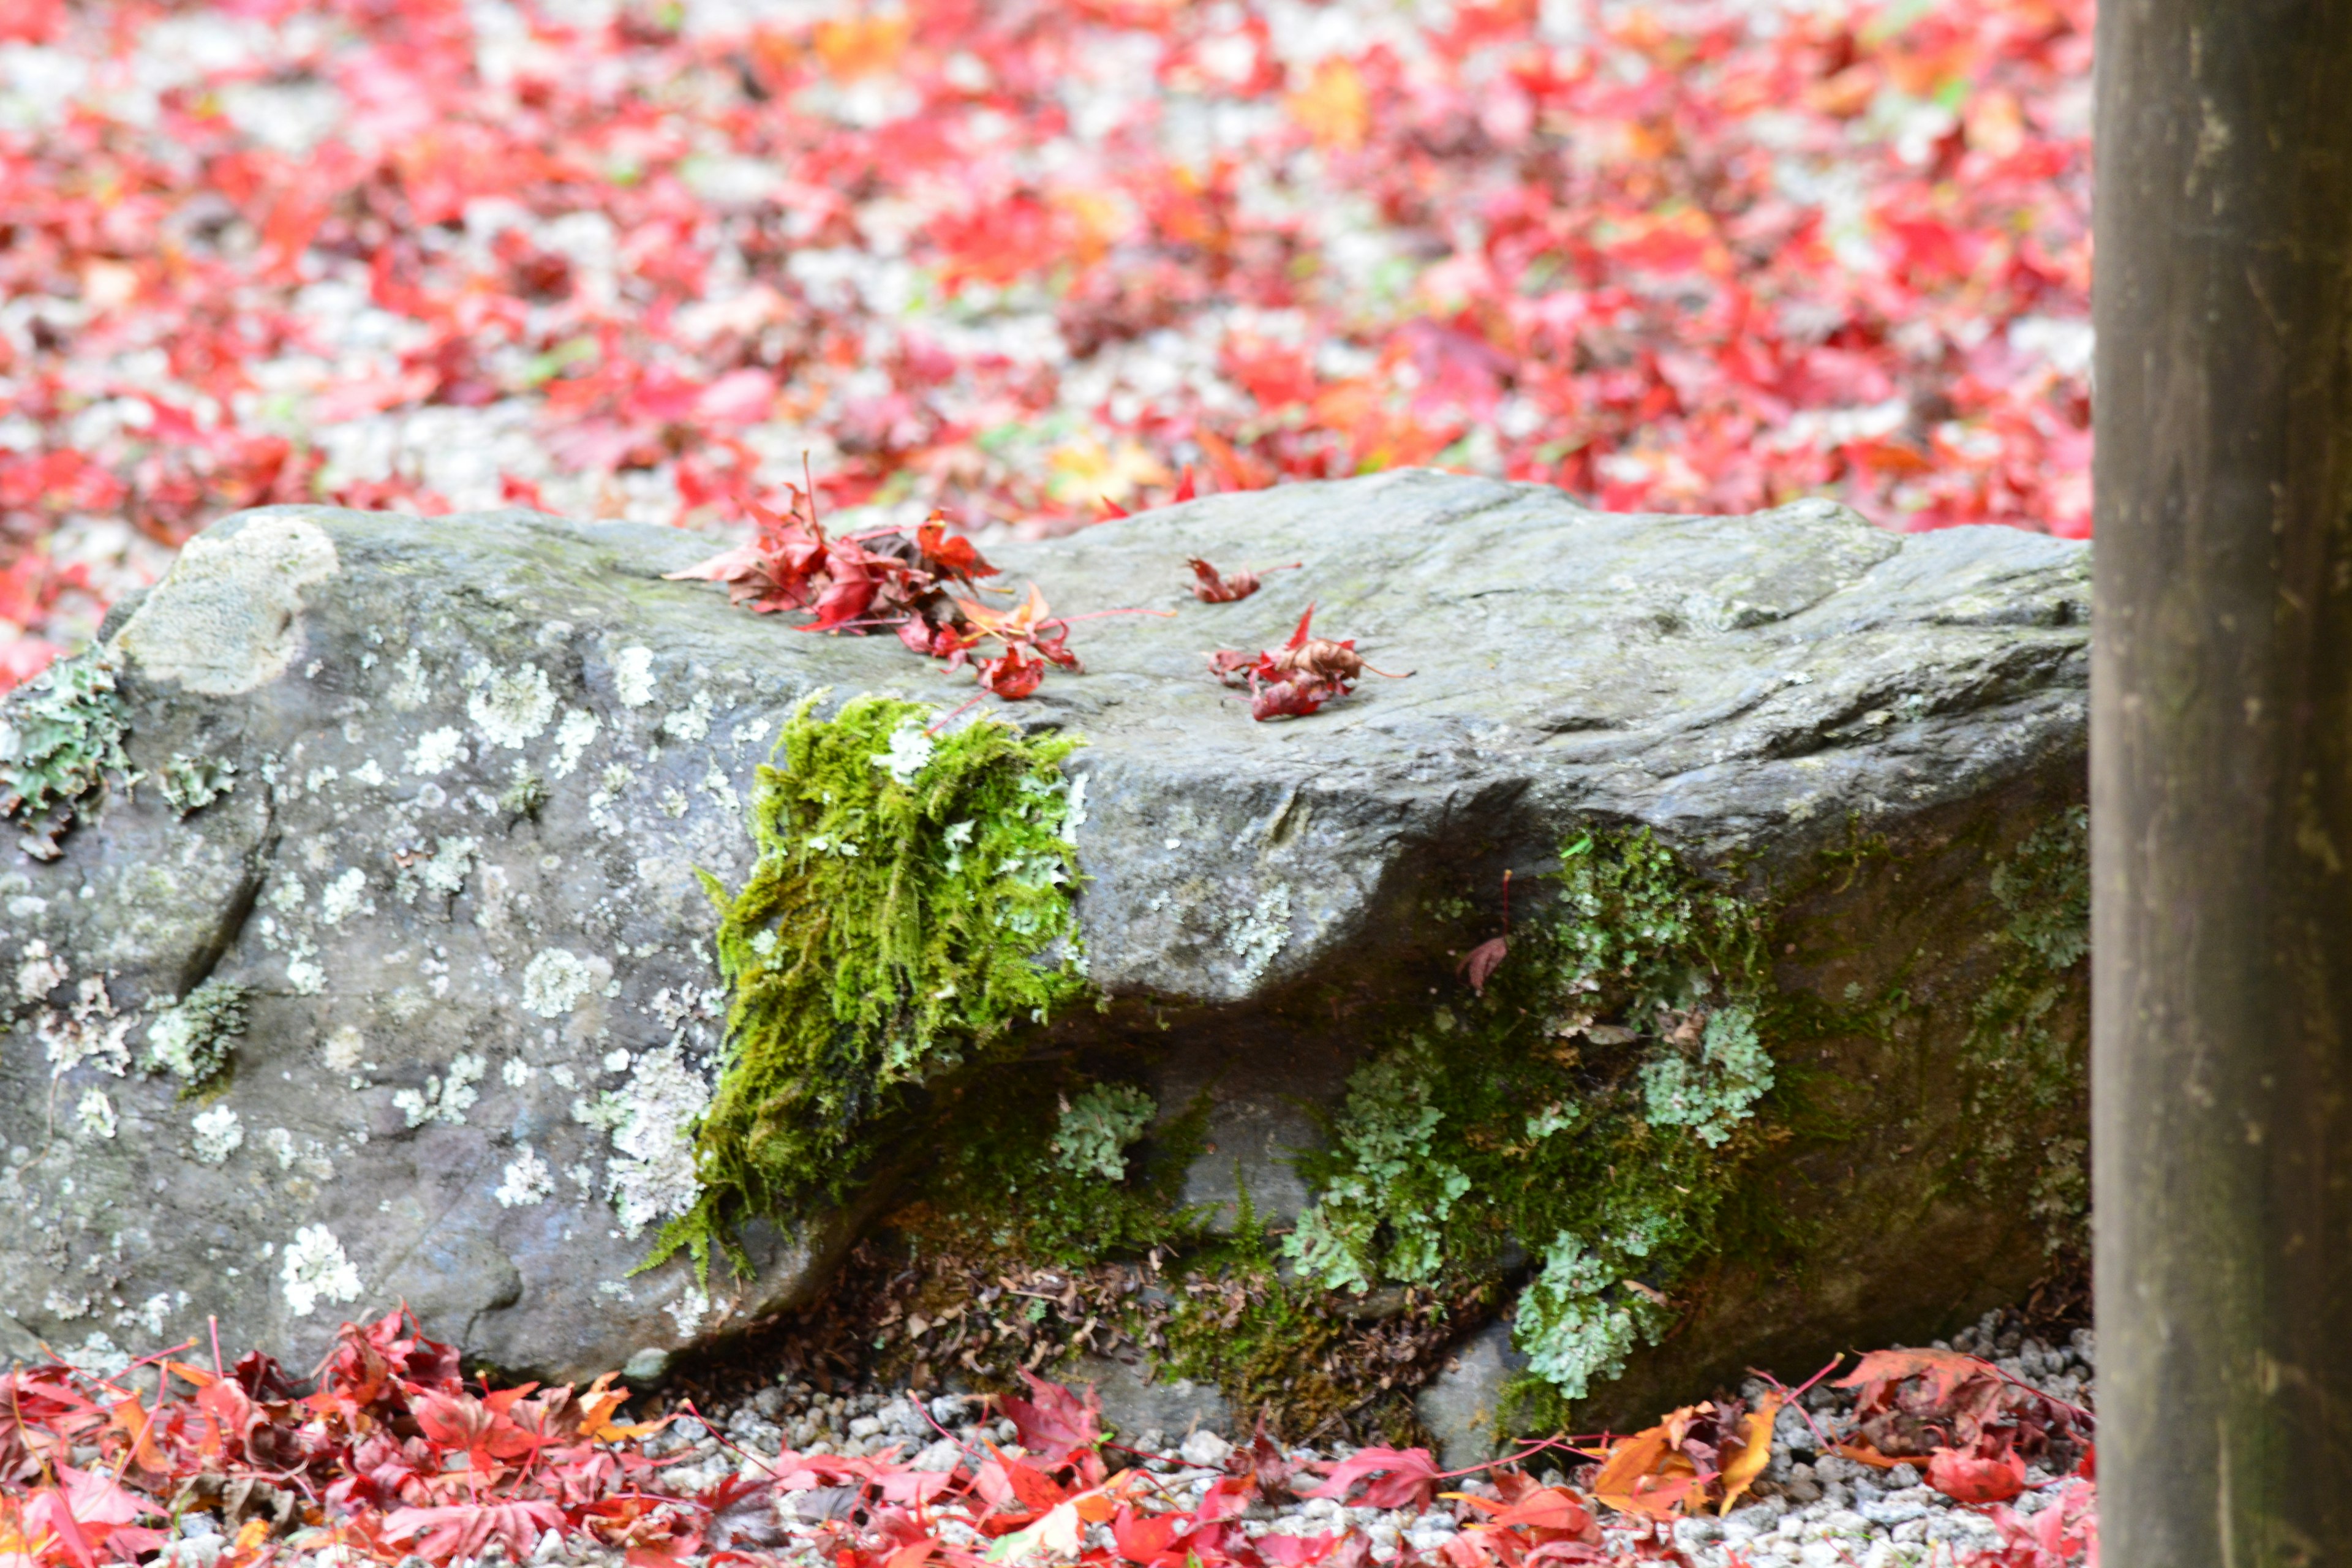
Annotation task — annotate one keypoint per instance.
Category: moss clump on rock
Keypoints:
(2021, 1068)
(60, 733)
(1593, 1107)
(911, 905)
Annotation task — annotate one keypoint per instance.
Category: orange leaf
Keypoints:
(1740, 1470)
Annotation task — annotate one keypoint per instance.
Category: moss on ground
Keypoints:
(910, 905)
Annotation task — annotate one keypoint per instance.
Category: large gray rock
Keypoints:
(479, 759)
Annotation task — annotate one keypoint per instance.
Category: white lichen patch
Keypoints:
(689, 1310)
(38, 972)
(651, 1177)
(344, 1049)
(150, 1316)
(553, 983)
(528, 1180)
(910, 752)
(447, 1096)
(633, 676)
(343, 897)
(1258, 936)
(409, 689)
(573, 736)
(435, 751)
(691, 722)
(95, 1114)
(315, 1269)
(511, 708)
(305, 975)
(445, 873)
(369, 774)
(215, 1135)
(87, 1032)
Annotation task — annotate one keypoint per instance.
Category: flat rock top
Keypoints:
(1742, 683)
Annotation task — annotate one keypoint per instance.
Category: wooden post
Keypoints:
(2222, 782)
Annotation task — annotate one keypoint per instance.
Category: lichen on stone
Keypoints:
(61, 733)
(216, 1134)
(313, 1268)
(191, 784)
(899, 923)
(1097, 1127)
(192, 1038)
(1592, 1105)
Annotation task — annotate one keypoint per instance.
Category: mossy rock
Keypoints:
(462, 781)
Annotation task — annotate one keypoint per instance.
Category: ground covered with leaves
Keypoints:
(1025, 262)
(388, 1454)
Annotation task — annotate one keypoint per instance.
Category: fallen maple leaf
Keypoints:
(1704, 1455)
(1298, 677)
(1973, 1478)
(1212, 588)
(1391, 1477)
(1480, 962)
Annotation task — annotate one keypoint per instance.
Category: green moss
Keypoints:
(2023, 1068)
(910, 907)
(1039, 1166)
(193, 1038)
(1594, 1106)
(60, 733)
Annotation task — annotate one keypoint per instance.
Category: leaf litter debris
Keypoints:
(610, 261)
(393, 1454)
(921, 587)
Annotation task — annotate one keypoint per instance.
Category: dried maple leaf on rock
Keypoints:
(1298, 677)
(1211, 587)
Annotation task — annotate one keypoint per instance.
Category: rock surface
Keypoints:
(478, 760)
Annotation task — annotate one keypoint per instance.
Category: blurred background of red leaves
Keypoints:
(1015, 258)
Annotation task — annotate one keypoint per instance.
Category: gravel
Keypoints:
(1810, 1508)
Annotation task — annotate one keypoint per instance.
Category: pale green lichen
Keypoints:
(1593, 1101)
(191, 784)
(61, 733)
(1572, 1323)
(194, 1037)
(1381, 1212)
(907, 911)
(1713, 1094)
(1097, 1127)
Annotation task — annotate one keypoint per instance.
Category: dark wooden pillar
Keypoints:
(2222, 781)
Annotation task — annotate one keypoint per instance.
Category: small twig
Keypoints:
(721, 1438)
(213, 1321)
(949, 718)
(1795, 1397)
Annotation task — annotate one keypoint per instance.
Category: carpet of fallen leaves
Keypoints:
(393, 1455)
(1025, 260)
